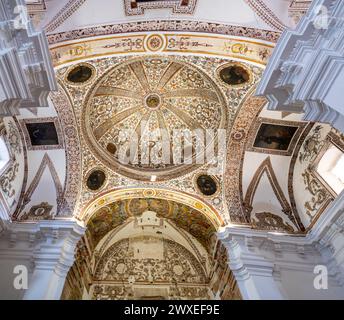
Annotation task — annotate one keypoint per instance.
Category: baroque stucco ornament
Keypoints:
(201, 66)
(147, 101)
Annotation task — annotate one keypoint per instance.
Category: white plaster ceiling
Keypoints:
(99, 12)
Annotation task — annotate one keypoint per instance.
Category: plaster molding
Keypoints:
(304, 73)
(46, 163)
(27, 74)
(267, 168)
(322, 245)
(165, 25)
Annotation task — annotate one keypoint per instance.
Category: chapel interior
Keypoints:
(171, 149)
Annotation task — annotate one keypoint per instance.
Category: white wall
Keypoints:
(271, 265)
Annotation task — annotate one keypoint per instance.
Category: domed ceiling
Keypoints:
(136, 108)
(151, 97)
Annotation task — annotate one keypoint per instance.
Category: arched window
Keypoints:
(4, 154)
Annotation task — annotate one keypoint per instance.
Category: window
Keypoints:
(4, 154)
(331, 168)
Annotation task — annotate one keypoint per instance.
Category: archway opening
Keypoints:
(149, 248)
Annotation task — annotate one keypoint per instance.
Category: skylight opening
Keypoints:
(331, 168)
(4, 154)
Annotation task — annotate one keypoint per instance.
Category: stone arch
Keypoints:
(154, 225)
(192, 201)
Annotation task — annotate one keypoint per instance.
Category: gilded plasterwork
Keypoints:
(293, 162)
(242, 138)
(317, 195)
(13, 138)
(116, 213)
(166, 25)
(235, 153)
(19, 143)
(7, 178)
(194, 202)
(228, 47)
(150, 265)
(10, 170)
(168, 96)
(41, 211)
(233, 98)
(320, 196)
(167, 263)
(312, 146)
(73, 180)
(270, 221)
(314, 149)
(46, 163)
(150, 102)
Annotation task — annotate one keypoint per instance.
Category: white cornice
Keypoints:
(305, 71)
(26, 72)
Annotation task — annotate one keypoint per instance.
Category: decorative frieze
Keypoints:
(165, 25)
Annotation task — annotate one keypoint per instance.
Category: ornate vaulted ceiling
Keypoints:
(107, 146)
(150, 99)
(115, 214)
(142, 95)
(143, 79)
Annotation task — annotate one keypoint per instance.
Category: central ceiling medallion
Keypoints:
(134, 112)
(152, 101)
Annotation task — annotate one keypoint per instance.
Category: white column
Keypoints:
(272, 265)
(52, 260)
(253, 273)
(329, 235)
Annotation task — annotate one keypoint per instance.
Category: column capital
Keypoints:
(53, 255)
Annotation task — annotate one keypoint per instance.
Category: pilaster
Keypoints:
(47, 249)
